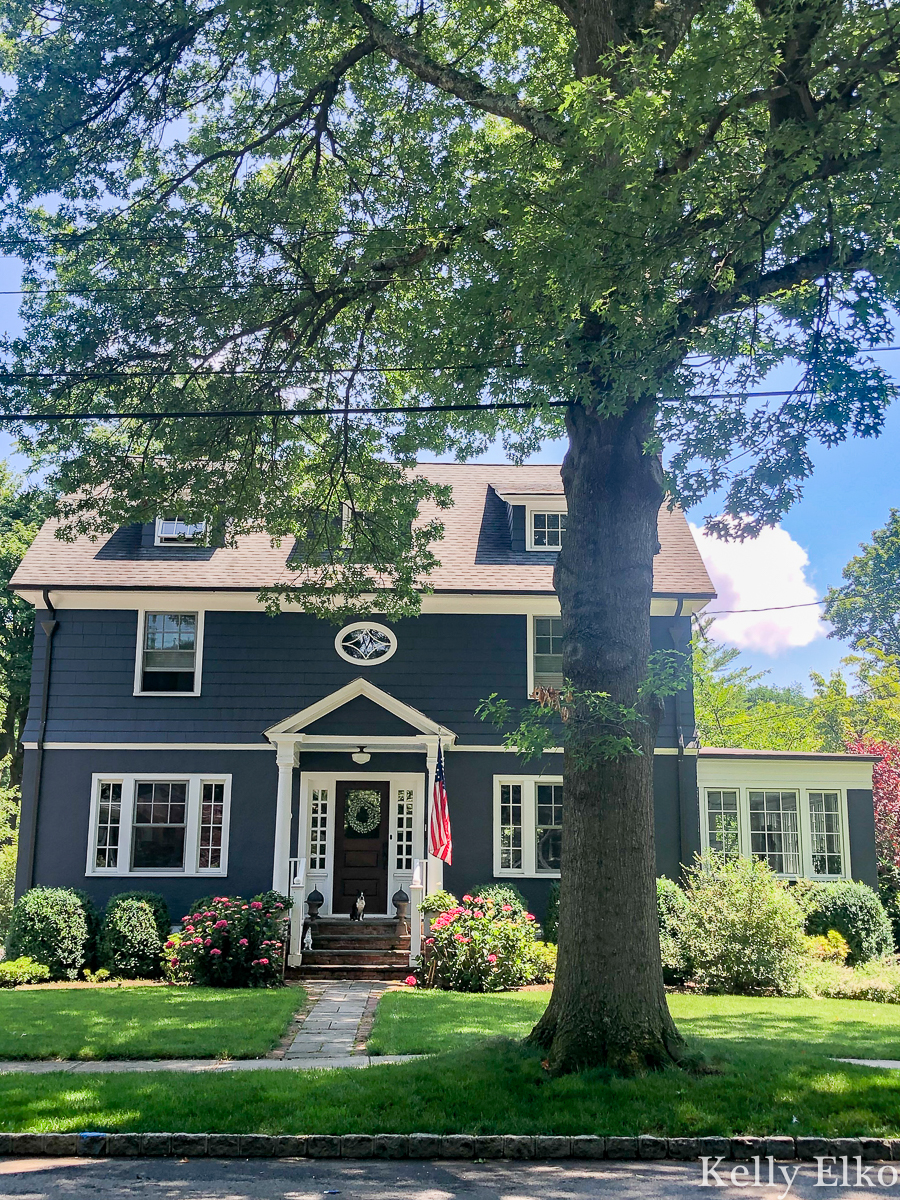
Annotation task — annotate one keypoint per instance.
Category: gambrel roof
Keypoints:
(476, 553)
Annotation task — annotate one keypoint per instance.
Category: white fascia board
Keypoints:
(224, 600)
(807, 774)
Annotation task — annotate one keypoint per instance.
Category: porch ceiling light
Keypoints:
(361, 756)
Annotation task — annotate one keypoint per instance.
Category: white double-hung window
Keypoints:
(169, 653)
(528, 816)
(159, 825)
(796, 831)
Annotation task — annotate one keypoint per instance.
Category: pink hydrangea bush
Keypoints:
(230, 942)
(478, 946)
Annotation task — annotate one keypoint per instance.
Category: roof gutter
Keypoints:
(28, 822)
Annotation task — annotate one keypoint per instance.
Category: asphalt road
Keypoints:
(300, 1179)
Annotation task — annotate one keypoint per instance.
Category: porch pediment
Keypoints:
(360, 710)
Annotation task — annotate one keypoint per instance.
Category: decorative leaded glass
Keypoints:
(511, 826)
(825, 833)
(548, 826)
(366, 644)
(775, 830)
(722, 823)
(404, 832)
(109, 815)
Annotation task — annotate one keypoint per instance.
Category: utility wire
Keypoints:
(40, 418)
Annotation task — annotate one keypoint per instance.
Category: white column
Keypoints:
(435, 881)
(286, 758)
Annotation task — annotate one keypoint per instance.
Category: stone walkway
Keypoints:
(325, 1040)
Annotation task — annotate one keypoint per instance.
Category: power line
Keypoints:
(41, 418)
(721, 612)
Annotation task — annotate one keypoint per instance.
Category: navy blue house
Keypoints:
(183, 740)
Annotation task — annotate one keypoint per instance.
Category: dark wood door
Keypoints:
(361, 845)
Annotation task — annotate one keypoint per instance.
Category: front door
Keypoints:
(361, 845)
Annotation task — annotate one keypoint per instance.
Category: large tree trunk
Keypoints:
(608, 1005)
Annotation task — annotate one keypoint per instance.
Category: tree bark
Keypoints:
(608, 1005)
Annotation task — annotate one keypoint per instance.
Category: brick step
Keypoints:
(350, 957)
(345, 925)
(316, 973)
(326, 941)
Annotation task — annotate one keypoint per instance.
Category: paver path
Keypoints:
(330, 1027)
(325, 1040)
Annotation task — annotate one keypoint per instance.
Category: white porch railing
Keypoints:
(297, 877)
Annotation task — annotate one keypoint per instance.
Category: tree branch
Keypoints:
(465, 87)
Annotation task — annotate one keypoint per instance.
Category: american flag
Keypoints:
(441, 841)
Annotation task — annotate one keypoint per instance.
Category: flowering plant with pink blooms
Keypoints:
(227, 941)
(478, 945)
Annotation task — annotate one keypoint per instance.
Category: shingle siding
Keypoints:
(258, 669)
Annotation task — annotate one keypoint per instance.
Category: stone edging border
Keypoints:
(435, 1145)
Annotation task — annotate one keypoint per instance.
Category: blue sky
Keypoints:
(853, 488)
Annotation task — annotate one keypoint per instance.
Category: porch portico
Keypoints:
(361, 828)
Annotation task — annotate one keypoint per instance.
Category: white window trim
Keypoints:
(159, 540)
(192, 825)
(200, 614)
(804, 822)
(531, 617)
(365, 662)
(528, 869)
(544, 505)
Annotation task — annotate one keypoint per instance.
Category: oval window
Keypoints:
(365, 642)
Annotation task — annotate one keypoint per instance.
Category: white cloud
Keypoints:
(767, 572)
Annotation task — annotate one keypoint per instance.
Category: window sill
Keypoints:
(509, 873)
(184, 695)
(161, 873)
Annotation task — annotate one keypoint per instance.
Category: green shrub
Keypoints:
(542, 957)
(551, 922)
(503, 893)
(130, 940)
(276, 901)
(742, 931)
(231, 942)
(878, 981)
(22, 970)
(829, 947)
(158, 907)
(437, 902)
(855, 911)
(478, 949)
(671, 908)
(56, 926)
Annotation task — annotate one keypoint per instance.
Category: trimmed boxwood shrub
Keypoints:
(854, 910)
(157, 904)
(671, 909)
(130, 940)
(55, 926)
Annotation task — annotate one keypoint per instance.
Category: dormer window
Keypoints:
(547, 529)
(175, 531)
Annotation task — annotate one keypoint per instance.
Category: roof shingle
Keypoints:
(475, 553)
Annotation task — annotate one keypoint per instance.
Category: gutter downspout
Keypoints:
(27, 846)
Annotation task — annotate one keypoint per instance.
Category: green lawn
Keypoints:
(775, 1075)
(144, 1022)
